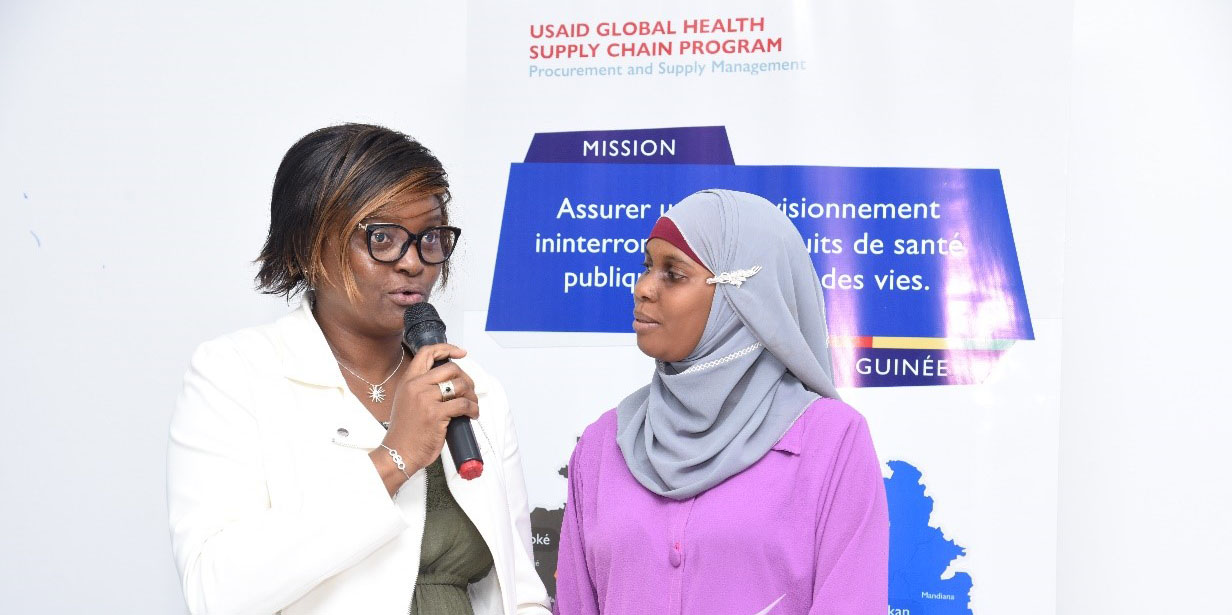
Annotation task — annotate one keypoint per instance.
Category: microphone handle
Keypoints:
(463, 447)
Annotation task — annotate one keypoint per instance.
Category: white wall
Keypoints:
(1144, 493)
(116, 118)
(138, 144)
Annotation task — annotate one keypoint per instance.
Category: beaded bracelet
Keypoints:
(397, 461)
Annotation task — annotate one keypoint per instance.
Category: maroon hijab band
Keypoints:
(666, 230)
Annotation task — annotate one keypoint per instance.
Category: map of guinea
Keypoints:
(919, 552)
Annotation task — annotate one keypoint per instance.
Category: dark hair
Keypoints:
(329, 182)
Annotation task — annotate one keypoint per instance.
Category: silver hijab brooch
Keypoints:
(735, 278)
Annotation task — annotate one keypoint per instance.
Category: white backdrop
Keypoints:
(139, 147)
(943, 84)
(1145, 495)
(138, 143)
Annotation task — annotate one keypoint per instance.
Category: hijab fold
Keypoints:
(762, 359)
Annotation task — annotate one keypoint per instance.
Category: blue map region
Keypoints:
(919, 552)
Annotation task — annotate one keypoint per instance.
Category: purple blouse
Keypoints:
(803, 530)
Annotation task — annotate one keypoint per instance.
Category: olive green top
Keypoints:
(452, 554)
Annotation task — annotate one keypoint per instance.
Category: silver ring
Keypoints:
(447, 390)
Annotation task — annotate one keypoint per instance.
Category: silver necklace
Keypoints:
(376, 392)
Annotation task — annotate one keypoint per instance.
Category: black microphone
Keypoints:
(422, 326)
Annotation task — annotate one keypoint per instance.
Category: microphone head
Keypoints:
(421, 326)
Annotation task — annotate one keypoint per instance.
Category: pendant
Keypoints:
(376, 393)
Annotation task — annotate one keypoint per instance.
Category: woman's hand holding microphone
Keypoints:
(424, 400)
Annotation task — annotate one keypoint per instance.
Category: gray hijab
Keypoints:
(762, 359)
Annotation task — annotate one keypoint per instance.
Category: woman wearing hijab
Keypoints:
(735, 481)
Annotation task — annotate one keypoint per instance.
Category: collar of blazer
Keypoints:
(306, 356)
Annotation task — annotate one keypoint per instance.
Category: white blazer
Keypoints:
(276, 508)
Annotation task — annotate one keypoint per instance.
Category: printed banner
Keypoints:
(919, 268)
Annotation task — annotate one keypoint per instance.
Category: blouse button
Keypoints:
(674, 556)
(342, 432)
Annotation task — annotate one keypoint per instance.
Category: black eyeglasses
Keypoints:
(388, 243)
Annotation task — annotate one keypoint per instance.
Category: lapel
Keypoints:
(484, 502)
(477, 497)
(306, 358)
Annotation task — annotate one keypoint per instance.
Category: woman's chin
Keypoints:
(656, 351)
(646, 347)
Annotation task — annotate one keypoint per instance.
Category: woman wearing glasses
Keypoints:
(305, 469)
(735, 481)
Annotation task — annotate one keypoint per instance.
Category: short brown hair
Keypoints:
(330, 181)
